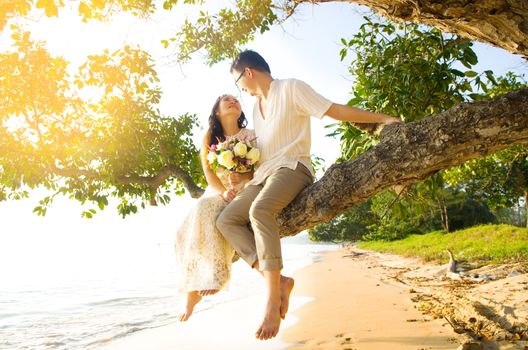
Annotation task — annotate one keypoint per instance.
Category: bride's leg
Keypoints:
(193, 298)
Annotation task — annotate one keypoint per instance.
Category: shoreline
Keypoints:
(352, 299)
(234, 315)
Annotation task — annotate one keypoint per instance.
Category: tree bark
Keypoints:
(526, 208)
(502, 23)
(411, 152)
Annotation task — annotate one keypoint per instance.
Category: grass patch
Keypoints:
(486, 244)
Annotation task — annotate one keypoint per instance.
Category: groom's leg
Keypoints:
(233, 224)
(279, 190)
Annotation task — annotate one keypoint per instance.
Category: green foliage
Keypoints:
(500, 178)
(350, 226)
(481, 244)
(220, 34)
(407, 71)
(223, 34)
(390, 231)
(413, 72)
(88, 9)
(318, 165)
(90, 136)
(13, 8)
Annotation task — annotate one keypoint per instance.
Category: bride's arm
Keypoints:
(212, 179)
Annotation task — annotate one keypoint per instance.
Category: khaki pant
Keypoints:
(259, 205)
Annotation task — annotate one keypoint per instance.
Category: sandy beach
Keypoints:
(358, 300)
(355, 307)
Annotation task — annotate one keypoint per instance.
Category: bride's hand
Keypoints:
(236, 178)
(228, 195)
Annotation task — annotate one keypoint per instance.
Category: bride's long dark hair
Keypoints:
(216, 131)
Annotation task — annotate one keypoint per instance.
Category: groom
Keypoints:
(281, 117)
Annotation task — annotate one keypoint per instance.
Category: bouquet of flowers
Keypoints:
(233, 155)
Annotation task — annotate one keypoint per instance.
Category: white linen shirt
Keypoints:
(283, 134)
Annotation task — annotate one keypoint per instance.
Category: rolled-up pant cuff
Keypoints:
(270, 264)
(250, 259)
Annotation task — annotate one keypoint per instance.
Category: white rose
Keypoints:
(253, 155)
(240, 149)
(225, 159)
(211, 157)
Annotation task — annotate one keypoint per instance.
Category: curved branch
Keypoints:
(153, 181)
(167, 171)
(409, 153)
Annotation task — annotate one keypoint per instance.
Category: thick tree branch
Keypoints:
(409, 153)
(502, 23)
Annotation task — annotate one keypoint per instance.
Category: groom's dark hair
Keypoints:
(250, 59)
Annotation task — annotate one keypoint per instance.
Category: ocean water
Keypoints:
(72, 283)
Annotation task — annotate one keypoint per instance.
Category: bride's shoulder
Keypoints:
(249, 132)
(249, 135)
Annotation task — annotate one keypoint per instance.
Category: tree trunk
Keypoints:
(446, 217)
(526, 207)
(442, 216)
(412, 152)
(502, 23)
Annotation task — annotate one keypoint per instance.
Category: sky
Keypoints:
(305, 47)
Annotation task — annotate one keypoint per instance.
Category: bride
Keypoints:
(203, 256)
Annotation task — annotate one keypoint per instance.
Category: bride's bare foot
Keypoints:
(193, 298)
(286, 286)
(271, 323)
(208, 292)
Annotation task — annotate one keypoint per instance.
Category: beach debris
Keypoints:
(483, 303)
(353, 255)
(514, 273)
(453, 276)
(451, 266)
(472, 345)
(481, 278)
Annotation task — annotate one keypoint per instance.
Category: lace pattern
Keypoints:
(202, 254)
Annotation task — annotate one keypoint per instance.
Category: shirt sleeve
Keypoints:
(307, 100)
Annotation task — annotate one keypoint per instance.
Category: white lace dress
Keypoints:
(202, 254)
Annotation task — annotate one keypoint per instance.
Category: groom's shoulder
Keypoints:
(290, 83)
(294, 82)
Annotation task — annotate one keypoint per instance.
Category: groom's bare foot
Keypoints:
(286, 286)
(208, 292)
(271, 323)
(193, 298)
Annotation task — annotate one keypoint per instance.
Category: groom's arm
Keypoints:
(356, 115)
